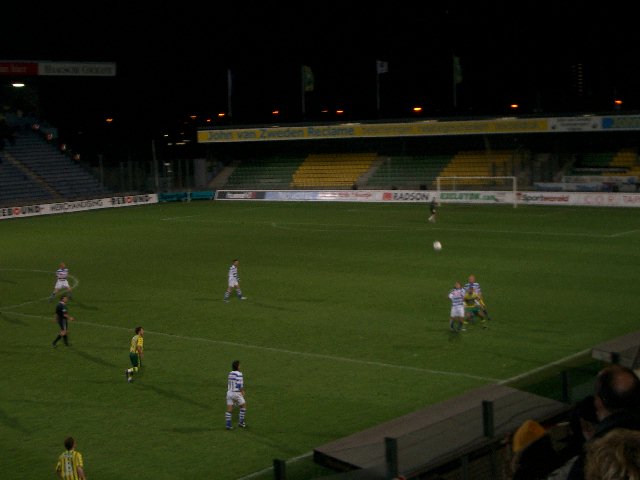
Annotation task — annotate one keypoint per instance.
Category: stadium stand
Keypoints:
(627, 159)
(407, 172)
(621, 162)
(479, 164)
(332, 170)
(270, 173)
(18, 185)
(600, 172)
(468, 436)
(465, 433)
(47, 173)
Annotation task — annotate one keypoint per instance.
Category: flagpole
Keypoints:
(229, 92)
(381, 67)
(377, 92)
(455, 92)
(302, 92)
(456, 77)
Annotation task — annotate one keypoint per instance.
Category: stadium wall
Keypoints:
(34, 210)
(584, 199)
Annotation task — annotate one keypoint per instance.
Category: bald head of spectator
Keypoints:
(617, 388)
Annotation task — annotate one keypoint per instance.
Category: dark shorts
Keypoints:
(63, 323)
(135, 360)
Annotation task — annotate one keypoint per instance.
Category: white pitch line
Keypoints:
(31, 302)
(268, 469)
(281, 350)
(306, 226)
(544, 367)
(341, 227)
(179, 218)
(623, 233)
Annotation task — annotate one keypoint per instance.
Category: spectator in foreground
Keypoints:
(582, 423)
(616, 456)
(617, 404)
(533, 454)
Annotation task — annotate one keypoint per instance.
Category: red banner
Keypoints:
(18, 69)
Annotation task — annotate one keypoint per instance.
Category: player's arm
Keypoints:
(81, 475)
(140, 350)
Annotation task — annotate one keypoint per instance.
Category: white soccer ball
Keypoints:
(437, 246)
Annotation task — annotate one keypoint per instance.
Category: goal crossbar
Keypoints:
(483, 183)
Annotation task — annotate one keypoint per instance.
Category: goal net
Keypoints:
(507, 185)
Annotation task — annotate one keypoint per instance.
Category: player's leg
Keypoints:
(228, 413)
(60, 335)
(135, 362)
(239, 293)
(484, 309)
(227, 294)
(64, 333)
(242, 413)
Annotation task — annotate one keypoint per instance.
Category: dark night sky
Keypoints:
(172, 58)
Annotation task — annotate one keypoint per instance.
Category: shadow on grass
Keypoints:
(266, 305)
(454, 337)
(92, 358)
(173, 395)
(84, 306)
(12, 422)
(189, 430)
(9, 319)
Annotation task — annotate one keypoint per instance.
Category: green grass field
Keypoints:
(345, 326)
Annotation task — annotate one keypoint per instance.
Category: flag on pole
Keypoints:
(457, 70)
(382, 66)
(307, 79)
(229, 92)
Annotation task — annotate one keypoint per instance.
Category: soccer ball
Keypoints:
(437, 246)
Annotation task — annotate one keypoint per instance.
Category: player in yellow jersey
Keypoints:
(136, 352)
(70, 465)
(472, 307)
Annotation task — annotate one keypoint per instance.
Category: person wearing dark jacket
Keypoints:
(617, 402)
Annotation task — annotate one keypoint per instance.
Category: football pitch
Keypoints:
(345, 324)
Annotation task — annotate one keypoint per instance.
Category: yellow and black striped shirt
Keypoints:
(136, 341)
(68, 464)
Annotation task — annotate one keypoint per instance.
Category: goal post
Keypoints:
(479, 184)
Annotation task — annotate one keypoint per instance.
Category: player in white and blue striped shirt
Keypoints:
(456, 319)
(62, 282)
(234, 282)
(235, 395)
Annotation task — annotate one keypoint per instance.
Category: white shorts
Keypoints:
(233, 283)
(457, 311)
(60, 284)
(235, 398)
